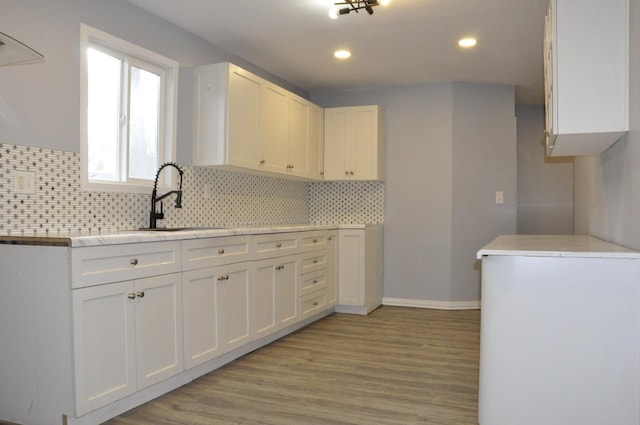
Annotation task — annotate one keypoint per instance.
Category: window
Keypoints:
(128, 112)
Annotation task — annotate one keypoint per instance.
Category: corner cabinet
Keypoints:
(246, 123)
(354, 143)
(586, 75)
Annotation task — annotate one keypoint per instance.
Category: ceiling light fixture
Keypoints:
(354, 5)
(467, 42)
(342, 54)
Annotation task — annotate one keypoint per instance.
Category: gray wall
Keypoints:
(449, 148)
(484, 162)
(607, 187)
(545, 185)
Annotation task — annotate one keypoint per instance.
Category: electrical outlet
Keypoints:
(500, 197)
(24, 182)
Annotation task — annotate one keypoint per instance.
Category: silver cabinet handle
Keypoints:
(278, 245)
(315, 303)
(315, 261)
(131, 295)
(133, 261)
(315, 241)
(262, 161)
(315, 281)
(140, 294)
(221, 251)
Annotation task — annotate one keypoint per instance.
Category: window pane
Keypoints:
(143, 124)
(103, 115)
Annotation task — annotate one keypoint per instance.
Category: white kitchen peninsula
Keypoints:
(560, 332)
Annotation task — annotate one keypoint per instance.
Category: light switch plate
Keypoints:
(24, 182)
(500, 197)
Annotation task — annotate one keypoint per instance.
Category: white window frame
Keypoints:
(91, 37)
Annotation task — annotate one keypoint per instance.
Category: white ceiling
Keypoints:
(407, 42)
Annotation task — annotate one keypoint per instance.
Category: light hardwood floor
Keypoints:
(395, 366)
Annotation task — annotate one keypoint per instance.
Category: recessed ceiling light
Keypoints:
(467, 42)
(342, 54)
(385, 2)
(333, 13)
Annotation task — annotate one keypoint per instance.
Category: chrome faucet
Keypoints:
(154, 216)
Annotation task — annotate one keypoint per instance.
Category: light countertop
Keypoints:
(555, 246)
(79, 238)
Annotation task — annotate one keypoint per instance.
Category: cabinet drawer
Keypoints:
(210, 252)
(312, 282)
(275, 245)
(312, 303)
(312, 261)
(96, 265)
(314, 240)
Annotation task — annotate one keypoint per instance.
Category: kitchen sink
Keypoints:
(176, 229)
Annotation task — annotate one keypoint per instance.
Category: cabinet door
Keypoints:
(287, 291)
(335, 144)
(104, 344)
(158, 315)
(263, 298)
(200, 315)
(233, 306)
(362, 154)
(275, 128)
(315, 142)
(244, 119)
(298, 152)
(351, 268)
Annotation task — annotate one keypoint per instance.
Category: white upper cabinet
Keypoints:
(275, 128)
(353, 143)
(586, 75)
(247, 123)
(227, 121)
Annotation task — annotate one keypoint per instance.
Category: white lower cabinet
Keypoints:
(127, 336)
(360, 269)
(233, 296)
(275, 297)
(122, 324)
(200, 300)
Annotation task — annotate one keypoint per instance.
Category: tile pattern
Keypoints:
(212, 197)
(346, 202)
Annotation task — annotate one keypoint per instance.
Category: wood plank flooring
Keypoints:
(395, 366)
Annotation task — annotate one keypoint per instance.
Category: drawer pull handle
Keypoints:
(133, 262)
(131, 295)
(315, 281)
(278, 245)
(262, 161)
(330, 238)
(280, 267)
(221, 251)
(140, 294)
(315, 241)
(225, 277)
(315, 261)
(315, 303)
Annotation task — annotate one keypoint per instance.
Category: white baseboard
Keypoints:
(437, 305)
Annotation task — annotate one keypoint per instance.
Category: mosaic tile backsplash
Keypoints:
(211, 197)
